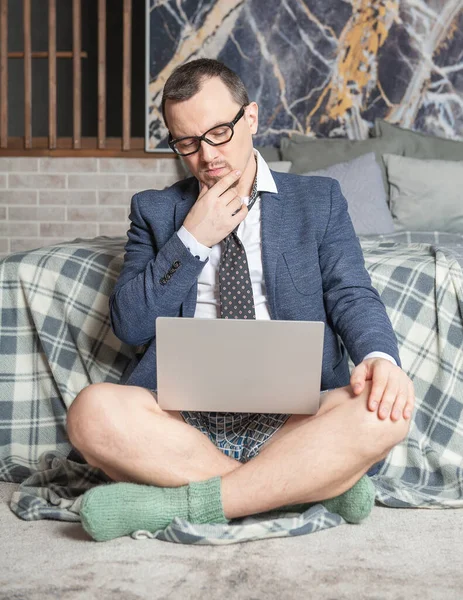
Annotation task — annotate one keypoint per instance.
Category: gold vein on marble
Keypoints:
(218, 24)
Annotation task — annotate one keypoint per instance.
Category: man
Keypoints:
(305, 263)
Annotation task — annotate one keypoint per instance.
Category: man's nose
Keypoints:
(208, 152)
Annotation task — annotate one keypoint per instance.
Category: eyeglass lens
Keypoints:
(218, 135)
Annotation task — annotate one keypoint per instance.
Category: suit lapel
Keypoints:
(271, 216)
(181, 210)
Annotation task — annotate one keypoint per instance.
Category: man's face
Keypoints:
(211, 106)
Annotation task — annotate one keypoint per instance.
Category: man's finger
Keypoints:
(399, 404)
(223, 184)
(410, 401)
(240, 214)
(388, 399)
(358, 377)
(235, 198)
(202, 189)
(377, 391)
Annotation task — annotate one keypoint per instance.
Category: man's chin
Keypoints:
(211, 180)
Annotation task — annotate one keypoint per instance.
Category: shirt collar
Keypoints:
(265, 181)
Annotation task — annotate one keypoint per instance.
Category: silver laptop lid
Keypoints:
(234, 365)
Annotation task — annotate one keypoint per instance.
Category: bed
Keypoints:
(55, 339)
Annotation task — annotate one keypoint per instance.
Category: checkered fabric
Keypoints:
(238, 435)
(55, 339)
(451, 242)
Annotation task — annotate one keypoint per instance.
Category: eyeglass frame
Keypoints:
(201, 138)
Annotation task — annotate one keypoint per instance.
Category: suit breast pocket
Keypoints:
(304, 270)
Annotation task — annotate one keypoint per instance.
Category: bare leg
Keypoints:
(316, 459)
(126, 451)
(127, 447)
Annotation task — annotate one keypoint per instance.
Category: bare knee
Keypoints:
(376, 437)
(382, 434)
(86, 413)
(99, 414)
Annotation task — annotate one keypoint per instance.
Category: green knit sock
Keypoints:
(354, 505)
(116, 509)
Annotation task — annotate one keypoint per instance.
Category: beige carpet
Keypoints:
(395, 554)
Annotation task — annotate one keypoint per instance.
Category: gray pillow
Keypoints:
(309, 154)
(269, 153)
(282, 166)
(426, 195)
(362, 185)
(419, 145)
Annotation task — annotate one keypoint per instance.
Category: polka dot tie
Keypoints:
(236, 298)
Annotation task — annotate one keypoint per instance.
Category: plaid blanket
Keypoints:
(55, 339)
(448, 242)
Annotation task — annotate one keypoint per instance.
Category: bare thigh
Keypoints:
(172, 414)
(327, 402)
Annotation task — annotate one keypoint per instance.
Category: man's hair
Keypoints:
(186, 80)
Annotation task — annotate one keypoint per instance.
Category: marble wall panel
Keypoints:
(325, 68)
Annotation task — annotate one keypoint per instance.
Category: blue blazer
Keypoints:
(312, 263)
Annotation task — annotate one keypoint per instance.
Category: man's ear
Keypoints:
(252, 116)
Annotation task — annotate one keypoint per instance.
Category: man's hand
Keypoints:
(392, 390)
(216, 212)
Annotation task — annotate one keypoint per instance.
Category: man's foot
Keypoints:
(117, 509)
(354, 505)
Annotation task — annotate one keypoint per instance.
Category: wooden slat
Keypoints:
(126, 74)
(77, 72)
(89, 148)
(4, 74)
(27, 75)
(101, 73)
(61, 54)
(83, 153)
(112, 143)
(52, 73)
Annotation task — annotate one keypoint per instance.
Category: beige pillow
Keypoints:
(425, 195)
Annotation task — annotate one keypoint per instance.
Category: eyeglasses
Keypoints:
(218, 135)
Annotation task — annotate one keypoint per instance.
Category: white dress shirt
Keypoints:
(249, 232)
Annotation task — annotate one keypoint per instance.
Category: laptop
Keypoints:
(235, 365)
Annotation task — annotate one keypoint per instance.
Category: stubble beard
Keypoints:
(211, 180)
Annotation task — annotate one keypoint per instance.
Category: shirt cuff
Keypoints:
(196, 248)
(380, 355)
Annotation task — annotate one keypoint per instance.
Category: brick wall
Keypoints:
(48, 200)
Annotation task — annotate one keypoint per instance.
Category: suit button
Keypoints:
(176, 264)
(163, 281)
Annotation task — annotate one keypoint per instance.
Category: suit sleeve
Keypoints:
(352, 303)
(153, 281)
